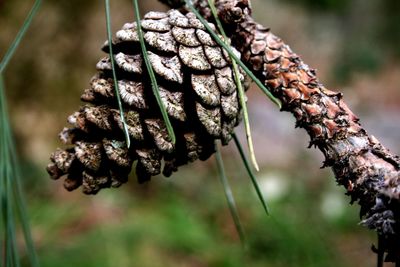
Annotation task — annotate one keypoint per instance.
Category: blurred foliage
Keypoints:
(358, 57)
(169, 223)
(370, 28)
(390, 26)
(184, 220)
(323, 5)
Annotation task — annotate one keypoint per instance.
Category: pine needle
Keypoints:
(251, 174)
(229, 195)
(11, 239)
(3, 168)
(20, 204)
(109, 36)
(2, 195)
(11, 256)
(229, 50)
(153, 79)
(8, 167)
(240, 89)
(11, 194)
(14, 45)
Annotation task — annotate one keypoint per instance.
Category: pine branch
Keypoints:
(368, 171)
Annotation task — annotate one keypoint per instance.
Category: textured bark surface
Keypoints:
(368, 171)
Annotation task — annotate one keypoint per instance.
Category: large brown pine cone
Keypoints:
(196, 85)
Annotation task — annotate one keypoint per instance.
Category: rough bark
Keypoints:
(368, 171)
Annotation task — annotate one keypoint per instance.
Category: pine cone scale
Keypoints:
(196, 86)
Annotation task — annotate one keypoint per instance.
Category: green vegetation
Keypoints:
(184, 221)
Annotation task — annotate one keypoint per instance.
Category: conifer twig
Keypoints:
(368, 171)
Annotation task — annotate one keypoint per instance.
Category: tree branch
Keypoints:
(368, 171)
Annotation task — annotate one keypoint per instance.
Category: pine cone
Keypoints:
(196, 86)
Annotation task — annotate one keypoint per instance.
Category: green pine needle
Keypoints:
(109, 36)
(153, 79)
(11, 256)
(20, 204)
(12, 201)
(14, 45)
(3, 164)
(229, 50)
(2, 192)
(251, 174)
(229, 195)
(11, 239)
(240, 89)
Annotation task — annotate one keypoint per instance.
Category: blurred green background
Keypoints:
(184, 220)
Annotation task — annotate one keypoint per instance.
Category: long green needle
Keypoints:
(109, 35)
(153, 79)
(228, 194)
(251, 174)
(14, 45)
(240, 90)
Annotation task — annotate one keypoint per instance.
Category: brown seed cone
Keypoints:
(196, 86)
